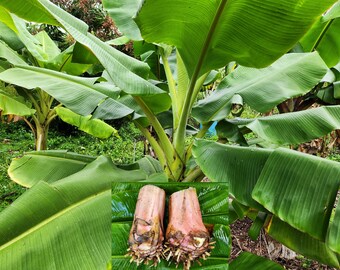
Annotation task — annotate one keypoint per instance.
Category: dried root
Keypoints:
(146, 235)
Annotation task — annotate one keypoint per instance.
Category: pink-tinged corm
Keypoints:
(187, 239)
(146, 235)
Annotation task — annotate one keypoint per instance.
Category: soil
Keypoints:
(267, 247)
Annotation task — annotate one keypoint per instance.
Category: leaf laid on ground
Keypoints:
(50, 166)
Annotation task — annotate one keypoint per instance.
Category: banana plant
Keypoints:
(36, 107)
(192, 40)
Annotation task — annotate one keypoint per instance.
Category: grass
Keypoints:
(16, 139)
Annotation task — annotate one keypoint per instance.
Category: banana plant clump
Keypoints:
(146, 235)
(187, 238)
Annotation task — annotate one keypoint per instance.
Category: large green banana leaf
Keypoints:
(298, 188)
(212, 158)
(292, 75)
(247, 261)
(63, 226)
(125, 72)
(43, 49)
(51, 166)
(81, 95)
(210, 34)
(290, 128)
(48, 45)
(214, 205)
(63, 62)
(324, 37)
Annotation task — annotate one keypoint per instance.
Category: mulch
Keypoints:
(267, 247)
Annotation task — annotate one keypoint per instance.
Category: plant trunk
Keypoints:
(41, 137)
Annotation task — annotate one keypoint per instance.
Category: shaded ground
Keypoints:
(264, 247)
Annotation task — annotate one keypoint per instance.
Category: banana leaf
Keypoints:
(323, 37)
(81, 95)
(302, 242)
(238, 166)
(51, 166)
(292, 75)
(123, 11)
(287, 128)
(299, 189)
(246, 261)
(40, 46)
(213, 200)
(31, 10)
(13, 104)
(48, 45)
(126, 72)
(8, 35)
(211, 34)
(10, 55)
(333, 233)
(63, 225)
(48, 166)
(64, 63)
(94, 127)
